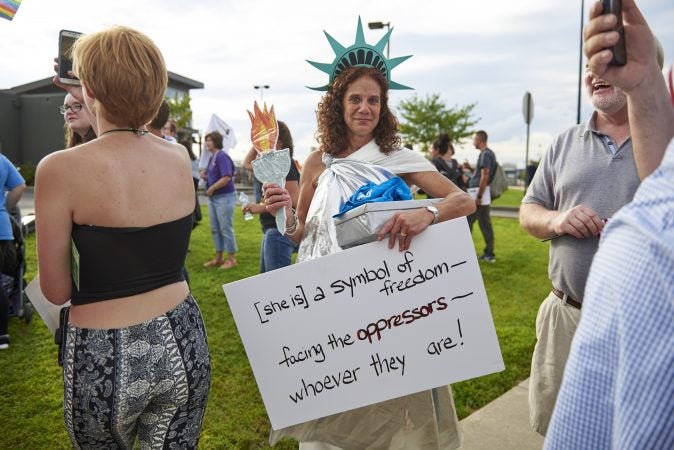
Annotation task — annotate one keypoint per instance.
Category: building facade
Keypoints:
(31, 125)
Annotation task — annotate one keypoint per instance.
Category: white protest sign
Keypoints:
(366, 325)
(486, 195)
(48, 311)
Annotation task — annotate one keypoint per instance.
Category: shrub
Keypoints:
(27, 171)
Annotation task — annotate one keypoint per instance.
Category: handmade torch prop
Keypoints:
(271, 165)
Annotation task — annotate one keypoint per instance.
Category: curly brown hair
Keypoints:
(332, 131)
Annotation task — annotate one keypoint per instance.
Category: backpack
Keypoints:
(499, 183)
(455, 175)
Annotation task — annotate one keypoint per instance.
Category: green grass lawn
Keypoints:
(31, 388)
(512, 197)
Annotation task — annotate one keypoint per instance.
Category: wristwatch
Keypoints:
(435, 212)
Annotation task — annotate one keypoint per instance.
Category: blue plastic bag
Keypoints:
(390, 190)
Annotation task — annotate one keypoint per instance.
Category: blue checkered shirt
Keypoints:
(618, 388)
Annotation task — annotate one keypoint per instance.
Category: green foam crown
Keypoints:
(360, 54)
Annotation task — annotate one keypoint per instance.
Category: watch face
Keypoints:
(435, 212)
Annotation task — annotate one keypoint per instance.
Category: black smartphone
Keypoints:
(66, 40)
(618, 50)
(62, 333)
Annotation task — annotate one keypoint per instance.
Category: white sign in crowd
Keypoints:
(366, 325)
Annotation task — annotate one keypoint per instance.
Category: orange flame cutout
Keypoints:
(264, 129)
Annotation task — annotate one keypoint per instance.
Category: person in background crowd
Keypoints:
(77, 127)
(170, 131)
(482, 177)
(530, 171)
(156, 124)
(13, 183)
(221, 201)
(276, 250)
(442, 153)
(195, 178)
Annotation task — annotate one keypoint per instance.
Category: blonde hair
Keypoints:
(124, 71)
(72, 139)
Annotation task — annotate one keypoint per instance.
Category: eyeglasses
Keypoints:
(76, 107)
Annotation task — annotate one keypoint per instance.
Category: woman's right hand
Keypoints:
(275, 198)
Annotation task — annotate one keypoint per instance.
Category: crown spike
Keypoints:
(360, 36)
(336, 46)
(394, 62)
(323, 67)
(381, 45)
(321, 88)
(393, 85)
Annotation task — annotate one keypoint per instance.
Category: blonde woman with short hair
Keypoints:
(113, 220)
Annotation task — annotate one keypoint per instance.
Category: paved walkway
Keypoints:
(502, 424)
(26, 202)
(512, 212)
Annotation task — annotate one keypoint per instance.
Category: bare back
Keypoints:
(131, 182)
(123, 180)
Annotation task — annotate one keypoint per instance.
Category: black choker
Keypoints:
(132, 130)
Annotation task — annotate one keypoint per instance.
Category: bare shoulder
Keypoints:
(161, 157)
(314, 159)
(54, 164)
(54, 182)
(180, 152)
(313, 167)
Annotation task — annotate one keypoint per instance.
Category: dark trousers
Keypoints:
(4, 312)
(197, 207)
(483, 217)
(7, 265)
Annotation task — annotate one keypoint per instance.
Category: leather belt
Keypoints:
(565, 298)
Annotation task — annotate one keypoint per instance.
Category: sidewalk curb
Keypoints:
(502, 424)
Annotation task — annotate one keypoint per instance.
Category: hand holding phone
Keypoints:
(65, 60)
(619, 54)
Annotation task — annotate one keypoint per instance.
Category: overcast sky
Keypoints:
(488, 52)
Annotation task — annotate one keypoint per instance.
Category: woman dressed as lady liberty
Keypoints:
(359, 143)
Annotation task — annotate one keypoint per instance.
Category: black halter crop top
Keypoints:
(109, 262)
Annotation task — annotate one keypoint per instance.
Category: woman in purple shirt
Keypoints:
(221, 200)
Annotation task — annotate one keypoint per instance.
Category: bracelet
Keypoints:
(290, 230)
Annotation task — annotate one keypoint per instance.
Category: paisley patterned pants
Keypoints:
(148, 382)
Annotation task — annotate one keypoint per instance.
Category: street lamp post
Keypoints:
(379, 26)
(261, 87)
(580, 61)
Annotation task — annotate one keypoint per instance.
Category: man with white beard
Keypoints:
(618, 388)
(587, 174)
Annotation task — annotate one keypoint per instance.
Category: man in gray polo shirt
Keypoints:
(587, 174)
